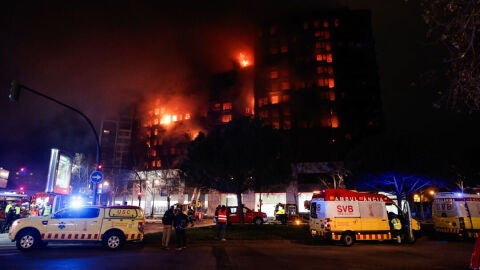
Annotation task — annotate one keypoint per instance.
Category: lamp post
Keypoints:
(14, 96)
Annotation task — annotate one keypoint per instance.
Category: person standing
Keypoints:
(180, 221)
(222, 219)
(167, 221)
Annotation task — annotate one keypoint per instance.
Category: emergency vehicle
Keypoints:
(349, 216)
(110, 225)
(456, 214)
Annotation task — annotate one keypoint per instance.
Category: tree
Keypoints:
(242, 155)
(81, 172)
(454, 25)
(401, 165)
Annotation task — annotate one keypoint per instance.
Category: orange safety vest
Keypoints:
(222, 216)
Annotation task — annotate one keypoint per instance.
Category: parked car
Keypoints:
(250, 216)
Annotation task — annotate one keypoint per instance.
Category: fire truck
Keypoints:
(456, 214)
(348, 216)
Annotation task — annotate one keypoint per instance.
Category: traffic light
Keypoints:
(21, 190)
(139, 195)
(14, 91)
(99, 167)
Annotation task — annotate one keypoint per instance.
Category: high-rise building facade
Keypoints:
(316, 79)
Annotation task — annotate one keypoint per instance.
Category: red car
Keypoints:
(250, 216)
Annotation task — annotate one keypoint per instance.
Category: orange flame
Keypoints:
(243, 60)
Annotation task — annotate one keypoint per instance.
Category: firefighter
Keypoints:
(396, 225)
(222, 219)
(47, 209)
(281, 215)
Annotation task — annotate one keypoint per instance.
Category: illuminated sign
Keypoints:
(59, 173)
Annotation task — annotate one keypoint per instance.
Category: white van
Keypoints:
(456, 214)
(349, 216)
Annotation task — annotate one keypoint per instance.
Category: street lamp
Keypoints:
(14, 96)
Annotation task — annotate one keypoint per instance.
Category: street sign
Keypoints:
(96, 177)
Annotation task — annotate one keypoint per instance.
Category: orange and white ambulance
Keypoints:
(456, 214)
(349, 216)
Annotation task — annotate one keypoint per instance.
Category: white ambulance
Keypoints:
(110, 225)
(456, 214)
(349, 216)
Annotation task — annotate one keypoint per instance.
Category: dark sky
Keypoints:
(98, 56)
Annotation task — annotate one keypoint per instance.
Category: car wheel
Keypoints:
(113, 240)
(27, 240)
(258, 221)
(347, 239)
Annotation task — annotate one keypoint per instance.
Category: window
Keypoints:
(331, 83)
(331, 95)
(216, 107)
(226, 118)
(227, 106)
(284, 48)
(322, 34)
(276, 125)
(285, 98)
(322, 82)
(324, 57)
(275, 87)
(323, 45)
(262, 101)
(274, 50)
(154, 153)
(263, 114)
(334, 120)
(285, 85)
(88, 213)
(274, 99)
(275, 113)
(159, 163)
(325, 24)
(274, 74)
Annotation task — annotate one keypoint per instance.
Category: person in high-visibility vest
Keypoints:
(396, 225)
(47, 209)
(222, 219)
(281, 215)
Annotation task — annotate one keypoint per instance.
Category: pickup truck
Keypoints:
(250, 216)
(110, 225)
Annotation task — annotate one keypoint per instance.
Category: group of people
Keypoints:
(176, 219)
(13, 211)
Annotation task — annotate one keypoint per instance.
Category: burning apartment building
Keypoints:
(313, 77)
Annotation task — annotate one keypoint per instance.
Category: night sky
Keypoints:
(99, 57)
